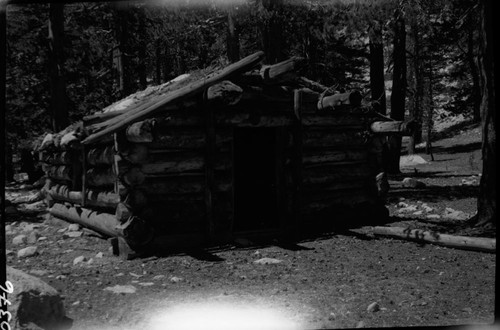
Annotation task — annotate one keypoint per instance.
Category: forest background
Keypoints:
(68, 61)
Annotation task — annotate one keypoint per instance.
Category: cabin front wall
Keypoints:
(221, 172)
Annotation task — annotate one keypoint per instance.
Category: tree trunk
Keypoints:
(167, 63)
(487, 200)
(398, 90)
(158, 61)
(233, 38)
(9, 167)
(58, 101)
(474, 72)
(377, 83)
(122, 51)
(179, 58)
(416, 75)
(272, 31)
(429, 122)
(141, 54)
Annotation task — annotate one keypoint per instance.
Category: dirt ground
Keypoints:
(326, 282)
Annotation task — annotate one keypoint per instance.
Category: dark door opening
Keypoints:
(255, 195)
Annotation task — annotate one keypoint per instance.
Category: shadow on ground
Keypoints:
(458, 148)
(433, 193)
(427, 174)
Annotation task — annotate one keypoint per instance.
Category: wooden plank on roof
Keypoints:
(197, 87)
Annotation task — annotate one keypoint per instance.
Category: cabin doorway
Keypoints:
(255, 179)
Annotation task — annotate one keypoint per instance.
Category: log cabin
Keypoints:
(218, 154)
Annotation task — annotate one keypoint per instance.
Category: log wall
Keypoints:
(336, 163)
(154, 175)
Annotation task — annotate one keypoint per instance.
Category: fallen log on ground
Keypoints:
(104, 223)
(458, 242)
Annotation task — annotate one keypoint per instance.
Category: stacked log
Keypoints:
(97, 199)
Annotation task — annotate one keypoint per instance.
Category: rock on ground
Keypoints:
(373, 307)
(19, 240)
(411, 160)
(74, 227)
(121, 289)
(73, 234)
(452, 214)
(175, 279)
(267, 261)
(79, 259)
(34, 303)
(33, 237)
(412, 183)
(28, 251)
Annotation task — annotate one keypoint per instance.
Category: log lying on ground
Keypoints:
(351, 98)
(458, 242)
(103, 223)
(394, 127)
(101, 199)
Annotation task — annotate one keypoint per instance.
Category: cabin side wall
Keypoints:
(337, 164)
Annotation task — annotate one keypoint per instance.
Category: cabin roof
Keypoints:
(189, 87)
